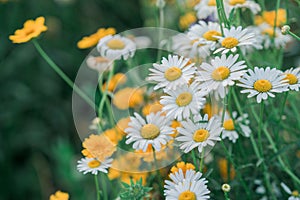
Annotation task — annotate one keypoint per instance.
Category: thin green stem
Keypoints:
(201, 161)
(275, 20)
(293, 35)
(97, 187)
(260, 124)
(226, 195)
(195, 159)
(62, 74)
(160, 179)
(161, 25)
(103, 182)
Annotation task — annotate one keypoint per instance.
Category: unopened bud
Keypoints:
(226, 188)
(285, 29)
(160, 3)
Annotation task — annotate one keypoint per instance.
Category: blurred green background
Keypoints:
(38, 138)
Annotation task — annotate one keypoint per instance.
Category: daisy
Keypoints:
(207, 8)
(155, 130)
(189, 189)
(182, 45)
(205, 32)
(182, 102)
(222, 72)
(99, 63)
(179, 177)
(236, 37)
(199, 134)
(294, 194)
(114, 47)
(262, 83)
(172, 72)
(293, 77)
(92, 165)
(249, 4)
(230, 131)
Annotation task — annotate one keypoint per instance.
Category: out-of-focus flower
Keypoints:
(93, 39)
(249, 4)
(128, 98)
(269, 17)
(206, 8)
(152, 107)
(98, 146)
(223, 167)
(187, 20)
(59, 195)
(183, 166)
(93, 166)
(122, 125)
(115, 81)
(31, 29)
(99, 63)
(116, 47)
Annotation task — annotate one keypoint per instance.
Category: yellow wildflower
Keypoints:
(223, 167)
(59, 195)
(122, 125)
(93, 39)
(31, 29)
(183, 166)
(186, 20)
(152, 107)
(269, 17)
(128, 97)
(115, 81)
(114, 135)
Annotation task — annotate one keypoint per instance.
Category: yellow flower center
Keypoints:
(209, 35)
(94, 164)
(184, 99)
(230, 42)
(220, 73)
(269, 31)
(173, 73)
(150, 131)
(212, 3)
(262, 85)
(187, 195)
(115, 44)
(228, 125)
(295, 193)
(200, 135)
(234, 2)
(291, 78)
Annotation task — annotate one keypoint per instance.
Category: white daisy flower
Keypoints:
(199, 134)
(115, 47)
(229, 129)
(179, 177)
(293, 77)
(172, 72)
(183, 45)
(189, 189)
(295, 195)
(236, 37)
(99, 63)
(182, 102)
(206, 8)
(249, 4)
(270, 39)
(92, 165)
(155, 131)
(262, 83)
(222, 72)
(206, 33)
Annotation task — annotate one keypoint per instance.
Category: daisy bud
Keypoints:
(226, 188)
(160, 3)
(285, 29)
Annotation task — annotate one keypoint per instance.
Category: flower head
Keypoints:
(59, 195)
(199, 134)
(293, 77)
(93, 39)
(262, 83)
(92, 165)
(128, 97)
(295, 195)
(155, 131)
(249, 4)
(31, 29)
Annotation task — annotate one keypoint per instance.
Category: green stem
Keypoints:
(103, 182)
(161, 25)
(97, 187)
(293, 35)
(260, 124)
(276, 16)
(62, 74)
(160, 180)
(195, 159)
(226, 196)
(201, 160)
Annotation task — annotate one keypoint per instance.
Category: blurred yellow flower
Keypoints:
(98, 146)
(114, 135)
(223, 167)
(183, 166)
(31, 29)
(128, 97)
(175, 124)
(269, 17)
(115, 81)
(186, 20)
(93, 39)
(122, 125)
(152, 107)
(59, 195)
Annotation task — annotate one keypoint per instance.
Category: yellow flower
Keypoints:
(59, 195)
(122, 125)
(175, 124)
(114, 135)
(99, 146)
(148, 154)
(115, 81)
(152, 107)
(192, 3)
(31, 29)
(223, 167)
(186, 20)
(93, 39)
(183, 166)
(269, 17)
(128, 97)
